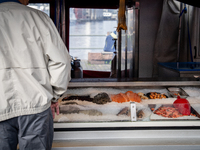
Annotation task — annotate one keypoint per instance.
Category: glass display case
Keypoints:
(105, 102)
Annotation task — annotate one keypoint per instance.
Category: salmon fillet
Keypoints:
(125, 97)
(117, 98)
(129, 96)
(133, 97)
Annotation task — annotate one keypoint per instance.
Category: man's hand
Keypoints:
(54, 106)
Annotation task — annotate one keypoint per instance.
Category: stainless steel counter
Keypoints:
(128, 140)
(133, 84)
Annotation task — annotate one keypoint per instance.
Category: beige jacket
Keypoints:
(35, 66)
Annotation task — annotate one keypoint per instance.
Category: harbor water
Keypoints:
(89, 36)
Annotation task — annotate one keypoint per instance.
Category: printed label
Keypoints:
(133, 112)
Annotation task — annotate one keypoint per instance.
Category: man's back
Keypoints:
(32, 60)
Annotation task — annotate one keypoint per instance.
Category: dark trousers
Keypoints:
(32, 132)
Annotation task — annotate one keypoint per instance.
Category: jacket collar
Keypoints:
(2, 1)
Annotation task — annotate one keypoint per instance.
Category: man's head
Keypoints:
(25, 2)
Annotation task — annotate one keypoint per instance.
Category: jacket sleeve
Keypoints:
(59, 61)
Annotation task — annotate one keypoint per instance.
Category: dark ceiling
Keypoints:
(191, 2)
(84, 3)
(104, 3)
(94, 3)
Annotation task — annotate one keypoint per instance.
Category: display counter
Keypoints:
(91, 125)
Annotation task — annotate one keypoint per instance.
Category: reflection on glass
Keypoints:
(88, 32)
(45, 7)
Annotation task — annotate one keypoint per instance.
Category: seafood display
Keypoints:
(101, 104)
(155, 95)
(82, 98)
(169, 112)
(140, 114)
(101, 98)
(142, 95)
(125, 111)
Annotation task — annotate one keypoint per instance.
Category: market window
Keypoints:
(45, 7)
(89, 29)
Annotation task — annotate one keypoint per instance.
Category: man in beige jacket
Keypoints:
(35, 70)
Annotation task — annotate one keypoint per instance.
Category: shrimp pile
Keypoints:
(169, 112)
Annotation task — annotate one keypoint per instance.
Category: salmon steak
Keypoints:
(129, 96)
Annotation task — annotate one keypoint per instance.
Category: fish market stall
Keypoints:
(135, 114)
(101, 113)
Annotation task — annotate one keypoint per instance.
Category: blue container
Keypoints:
(179, 69)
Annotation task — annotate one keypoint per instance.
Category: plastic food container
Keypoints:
(175, 91)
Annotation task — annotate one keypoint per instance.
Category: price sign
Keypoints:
(133, 112)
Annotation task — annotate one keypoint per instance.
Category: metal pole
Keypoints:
(126, 74)
(58, 15)
(179, 33)
(63, 20)
(119, 55)
(134, 70)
